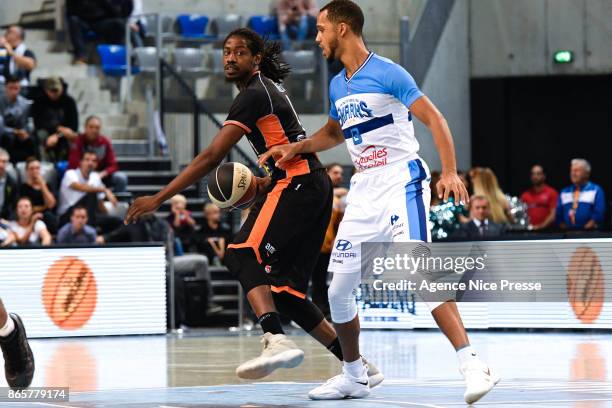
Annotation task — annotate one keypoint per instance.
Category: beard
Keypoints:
(240, 77)
(333, 48)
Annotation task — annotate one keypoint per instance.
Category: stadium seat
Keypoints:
(113, 60)
(192, 25)
(190, 60)
(302, 62)
(222, 26)
(146, 58)
(216, 60)
(151, 22)
(266, 26)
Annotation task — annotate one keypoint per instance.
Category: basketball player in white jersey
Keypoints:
(373, 101)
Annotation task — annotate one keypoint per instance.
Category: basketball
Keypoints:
(232, 185)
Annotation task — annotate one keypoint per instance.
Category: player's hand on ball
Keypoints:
(262, 184)
(140, 207)
(451, 183)
(281, 155)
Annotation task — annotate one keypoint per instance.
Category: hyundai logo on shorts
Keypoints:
(343, 245)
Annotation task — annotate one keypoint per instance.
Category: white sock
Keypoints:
(466, 354)
(355, 369)
(9, 327)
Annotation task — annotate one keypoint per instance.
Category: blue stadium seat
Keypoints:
(192, 25)
(112, 59)
(265, 26)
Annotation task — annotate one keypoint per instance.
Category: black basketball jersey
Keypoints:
(263, 110)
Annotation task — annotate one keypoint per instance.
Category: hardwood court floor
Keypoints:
(197, 370)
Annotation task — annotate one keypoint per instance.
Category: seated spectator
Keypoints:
(36, 189)
(541, 200)
(15, 57)
(180, 220)
(480, 226)
(29, 229)
(84, 187)
(56, 120)
(152, 229)
(6, 235)
(15, 130)
(297, 20)
(484, 183)
(583, 204)
(93, 140)
(77, 231)
(213, 235)
(105, 18)
(9, 189)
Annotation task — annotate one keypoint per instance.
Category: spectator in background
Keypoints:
(9, 189)
(583, 204)
(15, 57)
(433, 185)
(541, 200)
(15, 129)
(93, 140)
(480, 226)
(484, 183)
(29, 229)
(36, 189)
(56, 119)
(106, 18)
(319, 274)
(296, 20)
(84, 187)
(77, 231)
(180, 220)
(213, 235)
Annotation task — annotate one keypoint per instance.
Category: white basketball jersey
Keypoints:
(373, 110)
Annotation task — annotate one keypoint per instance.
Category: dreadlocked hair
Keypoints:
(272, 65)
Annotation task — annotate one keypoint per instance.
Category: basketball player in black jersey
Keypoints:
(276, 249)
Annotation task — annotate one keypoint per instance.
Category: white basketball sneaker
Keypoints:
(479, 380)
(340, 387)
(375, 377)
(278, 352)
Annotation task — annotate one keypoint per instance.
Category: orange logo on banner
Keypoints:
(69, 293)
(585, 285)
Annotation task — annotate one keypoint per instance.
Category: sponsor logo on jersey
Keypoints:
(270, 249)
(268, 269)
(354, 108)
(343, 245)
(394, 219)
(371, 156)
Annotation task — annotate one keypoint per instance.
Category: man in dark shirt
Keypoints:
(15, 130)
(56, 119)
(213, 235)
(480, 227)
(77, 231)
(106, 18)
(15, 57)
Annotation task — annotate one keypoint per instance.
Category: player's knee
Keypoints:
(242, 264)
(341, 303)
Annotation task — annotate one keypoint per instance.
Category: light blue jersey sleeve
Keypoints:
(400, 84)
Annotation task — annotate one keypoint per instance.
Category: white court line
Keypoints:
(413, 404)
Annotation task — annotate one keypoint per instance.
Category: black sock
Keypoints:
(270, 323)
(335, 349)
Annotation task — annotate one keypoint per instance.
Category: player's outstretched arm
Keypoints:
(426, 112)
(200, 166)
(330, 135)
